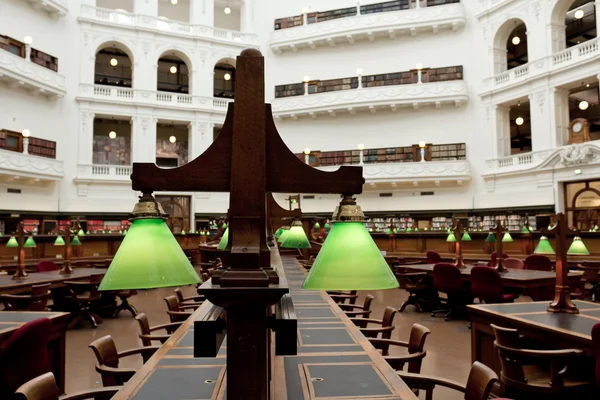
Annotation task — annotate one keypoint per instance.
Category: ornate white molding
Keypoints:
(17, 72)
(448, 172)
(54, 8)
(370, 26)
(139, 22)
(373, 98)
(150, 98)
(25, 165)
(491, 6)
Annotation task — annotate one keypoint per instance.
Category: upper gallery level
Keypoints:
(387, 20)
(54, 8)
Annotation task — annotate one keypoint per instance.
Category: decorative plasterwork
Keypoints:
(372, 99)
(140, 22)
(16, 72)
(28, 166)
(150, 98)
(491, 6)
(448, 172)
(370, 26)
(55, 8)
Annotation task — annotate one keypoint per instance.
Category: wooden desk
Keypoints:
(8, 285)
(10, 321)
(537, 284)
(329, 347)
(531, 319)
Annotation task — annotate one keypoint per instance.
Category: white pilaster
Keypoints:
(202, 12)
(502, 130)
(560, 122)
(86, 137)
(557, 35)
(247, 16)
(200, 137)
(146, 7)
(499, 59)
(597, 8)
(143, 139)
(540, 108)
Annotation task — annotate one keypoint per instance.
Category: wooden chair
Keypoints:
(352, 310)
(414, 283)
(522, 379)
(197, 299)
(44, 387)
(176, 311)
(37, 300)
(538, 262)
(340, 297)
(591, 269)
(81, 296)
(513, 263)
(447, 279)
(479, 384)
(415, 347)
(386, 324)
(486, 285)
(433, 257)
(124, 295)
(108, 360)
(146, 330)
(46, 266)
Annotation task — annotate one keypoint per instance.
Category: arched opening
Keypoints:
(172, 144)
(584, 107)
(582, 203)
(173, 74)
(510, 46)
(178, 210)
(113, 66)
(224, 80)
(227, 15)
(520, 128)
(573, 23)
(112, 141)
(174, 10)
(117, 5)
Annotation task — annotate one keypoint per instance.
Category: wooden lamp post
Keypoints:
(499, 231)
(21, 273)
(250, 160)
(68, 242)
(457, 236)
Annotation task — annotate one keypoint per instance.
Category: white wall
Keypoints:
(227, 21)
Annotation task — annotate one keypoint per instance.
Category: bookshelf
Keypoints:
(514, 222)
(396, 5)
(448, 152)
(42, 148)
(288, 22)
(294, 89)
(45, 60)
(323, 16)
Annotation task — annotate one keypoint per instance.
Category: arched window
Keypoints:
(113, 66)
(224, 82)
(520, 128)
(173, 73)
(582, 203)
(112, 141)
(573, 22)
(510, 46)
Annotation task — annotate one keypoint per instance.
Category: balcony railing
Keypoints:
(104, 173)
(131, 96)
(145, 22)
(571, 57)
(20, 165)
(55, 8)
(375, 21)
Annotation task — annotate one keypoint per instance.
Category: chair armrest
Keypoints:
(366, 320)
(358, 314)
(123, 374)
(344, 296)
(147, 350)
(198, 298)
(397, 362)
(162, 338)
(566, 353)
(172, 325)
(419, 381)
(377, 330)
(180, 313)
(184, 306)
(104, 393)
(349, 307)
(387, 342)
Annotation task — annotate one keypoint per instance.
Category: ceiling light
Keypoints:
(173, 69)
(227, 76)
(114, 62)
(26, 133)
(361, 146)
(359, 71)
(227, 10)
(305, 79)
(516, 40)
(577, 172)
(28, 40)
(519, 121)
(112, 134)
(172, 139)
(419, 66)
(173, 2)
(307, 151)
(583, 105)
(579, 14)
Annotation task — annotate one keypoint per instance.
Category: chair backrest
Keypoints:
(416, 344)
(514, 263)
(486, 284)
(24, 356)
(45, 266)
(447, 278)
(42, 387)
(512, 366)
(388, 320)
(433, 257)
(105, 351)
(480, 382)
(142, 320)
(493, 260)
(590, 271)
(368, 300)
(172, 303)
(37, 300)
(596, 347)
(179, 295)
(538, 262)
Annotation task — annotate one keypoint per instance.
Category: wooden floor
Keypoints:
(448, 346)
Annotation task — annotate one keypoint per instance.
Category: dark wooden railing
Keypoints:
(38, 57)
(395, 78)
(13, 141)
(322, 16)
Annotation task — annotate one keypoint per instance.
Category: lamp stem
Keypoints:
(360, 85)
(357, 7)
(562, 299)
(25, 145)
(458, 231)
(66, 268)
(419, 73)
(21, 273)
(361, 157)
(499, 232)
(422, 154)
(418, 3)
(28, 52)
(306, 88)
(307, 159)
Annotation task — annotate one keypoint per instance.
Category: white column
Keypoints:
(541, 112)
(557, 35)
(200, 136)
(202, 12)
(146, 7)
(559, 127)
(502, 130)
(597, 3)
(86, 137)
(143, 138)
(247, 17)
(499, 60)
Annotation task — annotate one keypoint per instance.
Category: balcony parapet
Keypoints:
(18, 72)
(18, 165)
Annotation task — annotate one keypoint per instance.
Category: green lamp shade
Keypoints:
(149, 257)
(296, 239)
(491, 238)
(224, 240)
(525, 230)
(59, 241)
(76, 241)
(182, 232)
(282, 236)
(30, 242)
(278, 232)
(327, 226)
(80, 232)
(544, 246)
(388, 231)
(349, 260)
(416, 229)
(409, 229)
(466, 237)
(224, 226)
(451, 238)
(578, 248)
(12, 242)
(507, 238)
(317, 225)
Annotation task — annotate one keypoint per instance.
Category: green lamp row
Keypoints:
(577, 248)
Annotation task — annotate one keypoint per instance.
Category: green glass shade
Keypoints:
(388, 231)
(12, 242)
(525, 230)
(327, 226)
(466, 237)
(578, 248)
(76, 241)
(224, 226)
(317, 225)
(30, 242)
(278, 232)
(80, 232)
(349, 260)
(409, 229)
(224, 240)
(451, 238)
(296, 239)
(182, 232)
(491, 238)
(59, 241)
(149, 257)
(426, 229)
(282, 236)
(88, 232)
(544, 246)
(507, 238)
(416, 229)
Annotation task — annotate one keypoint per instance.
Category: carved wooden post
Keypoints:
(499, 231)
(21, 273)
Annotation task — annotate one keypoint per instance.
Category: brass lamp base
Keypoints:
(562, 302)
(66, 270)
(20, 274)
(459, 263)
(500, 268)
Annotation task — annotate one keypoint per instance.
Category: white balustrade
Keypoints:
(518, 162)
(104, 172)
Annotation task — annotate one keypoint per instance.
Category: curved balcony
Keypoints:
(141, 22)
(20, 167)
(54, 8)
(370, 26)
(17, 72)
(137, 97)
